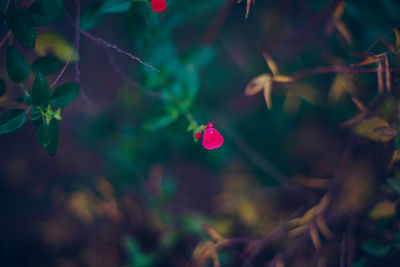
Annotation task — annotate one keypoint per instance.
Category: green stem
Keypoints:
(191, 120)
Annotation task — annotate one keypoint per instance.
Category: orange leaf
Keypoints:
(282, 78)
(315, 237)
(271, 63)
(267, 94)
(323, 227)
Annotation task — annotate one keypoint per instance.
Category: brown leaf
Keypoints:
(384, 209)
(267, 94)
(257, 84)
(376, 129)
(315, 237)
(339, 10)
(213, 233)
(323, 227)
(271, 63)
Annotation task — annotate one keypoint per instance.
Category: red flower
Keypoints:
(198, 136)
(212, 138)
(158, 5)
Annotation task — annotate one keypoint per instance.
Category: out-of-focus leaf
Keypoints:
(213, 233)
(375, 247)
(267, 94)
(162, 120)
(247, 211)
(2, 87)
(395, 184)
(137, 257)
(11, 120)
(282, 78)
(315, 237)
(81, 204)
(343, 82)
(360, 263)
(17, 67)
(47, 65)
(64, 95)
(384, 209)
(271, 64)
(257, 84)
(376, 129)
(115, 6)
(40, 93)
(35, 114)
(22, 26)
(91, 17)
(56, 44)
(45, 12)
(47, 136)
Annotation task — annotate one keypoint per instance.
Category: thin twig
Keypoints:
(5, 38)
(104, 43)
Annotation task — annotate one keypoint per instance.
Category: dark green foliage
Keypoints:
(45, 12)
(94, 13)
(91, 17)
(375, 247)
(17, 67)
(40, 93)
(2, 87)
(22, 26)
(11, 120)
(115, 6)
(47, 136)
(64, 95)
(395, 183)
(46, 65)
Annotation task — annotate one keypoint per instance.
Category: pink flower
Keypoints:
(212, 138)
(158, 5)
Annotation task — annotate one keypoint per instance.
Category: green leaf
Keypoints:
(47, 136)
(375, 247)
(395, 184)
(17, 67)
(45, 12)
(22, 26)
(40, 93)
(91, 17)
(115, 6)
(360, 263)
(162, 120)
(47, 65)
(64, 95)
(2, 87)
(35, 114)
(11, 120)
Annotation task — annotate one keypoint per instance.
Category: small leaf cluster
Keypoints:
(41, 104)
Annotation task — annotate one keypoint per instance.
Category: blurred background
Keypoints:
(130, 187)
